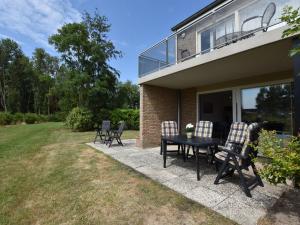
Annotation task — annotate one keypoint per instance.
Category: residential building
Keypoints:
(227, 62)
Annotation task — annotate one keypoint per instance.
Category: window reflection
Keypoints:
(271, 105)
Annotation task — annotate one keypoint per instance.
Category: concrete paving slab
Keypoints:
(225, 198)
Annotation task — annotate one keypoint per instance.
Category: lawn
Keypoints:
(49, 176)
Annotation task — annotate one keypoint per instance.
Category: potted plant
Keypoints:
(189, 129)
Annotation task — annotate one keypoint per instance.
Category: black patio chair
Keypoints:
(265, 21)
(203, 129)
(116, 134)
(236, 137)
(103, 131)
(234, 157)
(169, 128)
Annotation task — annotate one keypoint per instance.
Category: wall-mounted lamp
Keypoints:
(182, 35)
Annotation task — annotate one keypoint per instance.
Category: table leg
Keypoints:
(164, 146)
(183, 152)
(197, 161)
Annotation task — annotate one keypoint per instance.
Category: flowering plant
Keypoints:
(189, 128)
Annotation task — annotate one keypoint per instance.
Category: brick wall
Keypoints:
(156, 105)
(188, 107)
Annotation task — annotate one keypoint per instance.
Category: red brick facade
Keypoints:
(159, 104)
(156, 105)
(188, 107)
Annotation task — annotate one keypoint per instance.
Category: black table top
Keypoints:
(195, 141)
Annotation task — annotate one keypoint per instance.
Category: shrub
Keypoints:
(284, 157)
(130, 116)
(42, 118)
(18, 118)
(100, 115)
(79, 119)
(57, 117)
(31, 118)
(5, 118)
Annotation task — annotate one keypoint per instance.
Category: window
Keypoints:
(271, 105)
(215, 35)
(205, 41)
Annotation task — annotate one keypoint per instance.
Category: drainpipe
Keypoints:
(179, 110)
(296, 69)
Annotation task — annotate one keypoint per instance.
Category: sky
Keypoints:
(135, 24)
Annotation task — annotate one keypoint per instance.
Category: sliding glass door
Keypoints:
(217, 107)
(270, 105)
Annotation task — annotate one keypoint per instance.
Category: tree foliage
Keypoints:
(87, 78)
(292, 18)
(81, 77)
(127, 95)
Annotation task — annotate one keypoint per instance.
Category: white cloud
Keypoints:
(36, 19)
(3, 36)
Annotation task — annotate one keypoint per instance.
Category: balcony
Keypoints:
(227, 24)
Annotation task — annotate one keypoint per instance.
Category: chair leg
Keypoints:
(257, 174)
(223, 168)
(111, 141)
(95, 138)
(217, 166)
(119, 141)
(242, 178)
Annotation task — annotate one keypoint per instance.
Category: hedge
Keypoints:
(130, 116)
(80, 119)
(6, 118)
(29, 118)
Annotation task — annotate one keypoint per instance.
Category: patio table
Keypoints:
(196, 142)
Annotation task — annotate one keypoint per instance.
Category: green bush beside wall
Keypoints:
(130, 116)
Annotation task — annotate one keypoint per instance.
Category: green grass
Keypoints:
(49, 176)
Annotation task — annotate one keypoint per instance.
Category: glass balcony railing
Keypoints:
(227, 24)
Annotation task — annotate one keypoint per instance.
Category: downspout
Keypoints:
(179, 110)
(296, 65)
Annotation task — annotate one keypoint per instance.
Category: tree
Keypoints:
(128, 95)
(292, 18)
(15, 77)
(87, 77)
(45, 68)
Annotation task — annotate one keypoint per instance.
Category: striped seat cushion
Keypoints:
(243, 139)
(169, 128)
(204, 129)
(221, 156)
(237, 134)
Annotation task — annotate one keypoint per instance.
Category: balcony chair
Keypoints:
(265, 21)
(184, 54)
(169, 128)
(203, 129)
(116, 134)
(103, 131)
(234, 156)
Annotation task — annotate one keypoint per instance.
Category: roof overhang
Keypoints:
(196, 15)
(264, 53)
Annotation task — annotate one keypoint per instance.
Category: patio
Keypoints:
(225, 198)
